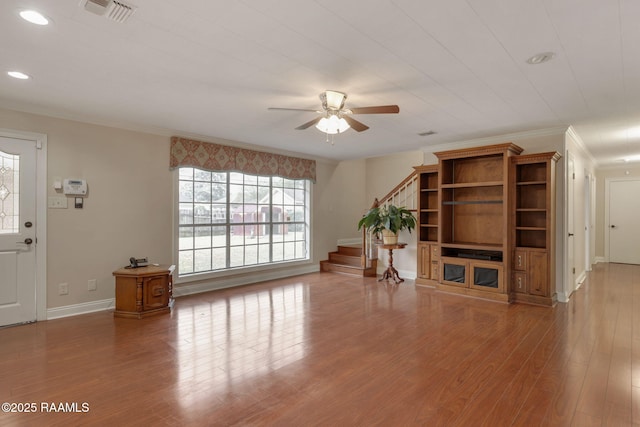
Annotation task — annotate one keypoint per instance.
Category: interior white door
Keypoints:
(624, 233)
(17, 231)
(571, 265)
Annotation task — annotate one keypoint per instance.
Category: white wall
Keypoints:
(129, 208)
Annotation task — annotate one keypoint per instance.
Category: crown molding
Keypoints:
(580, 143)
(509, 137)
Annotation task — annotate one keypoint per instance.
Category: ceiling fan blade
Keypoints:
(379, 109)
(355, 125)
(309, 124)
(294, 109)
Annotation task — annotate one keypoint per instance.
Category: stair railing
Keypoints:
(404, 194)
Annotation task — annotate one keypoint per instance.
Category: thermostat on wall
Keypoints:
(74, 187)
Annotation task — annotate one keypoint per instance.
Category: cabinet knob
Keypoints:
(519, 260)
(519, 282)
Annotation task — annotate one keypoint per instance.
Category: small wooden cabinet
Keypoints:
(143, 291)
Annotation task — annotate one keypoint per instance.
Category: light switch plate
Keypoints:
(55, 202)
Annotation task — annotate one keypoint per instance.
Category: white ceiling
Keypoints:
(457, 67)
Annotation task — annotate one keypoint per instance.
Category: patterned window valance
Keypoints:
(215, 157)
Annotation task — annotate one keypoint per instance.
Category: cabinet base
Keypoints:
(534, 299)
(145, 313)
(473, 293)
(426, 282)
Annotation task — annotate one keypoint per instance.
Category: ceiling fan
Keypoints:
(337, 119)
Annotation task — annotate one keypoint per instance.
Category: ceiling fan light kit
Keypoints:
(332, 125)
(337, 119)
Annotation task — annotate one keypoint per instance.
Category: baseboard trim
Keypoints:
(599, 259)
(230, 282)
(82, 308)
(580, 280)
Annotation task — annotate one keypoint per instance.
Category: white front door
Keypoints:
(17, 231)
(624, 233)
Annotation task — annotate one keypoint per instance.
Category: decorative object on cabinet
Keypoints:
(388, 221)
(144, 291)
(533, 188)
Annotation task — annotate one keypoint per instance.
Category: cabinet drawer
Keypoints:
(435, 252)
(520, 282)
(434, 270)
(520, 260)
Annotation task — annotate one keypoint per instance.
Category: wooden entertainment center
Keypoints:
(486, 224)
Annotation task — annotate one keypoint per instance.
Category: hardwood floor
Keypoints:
(326, 349)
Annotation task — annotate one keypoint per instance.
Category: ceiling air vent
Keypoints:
(111, 9)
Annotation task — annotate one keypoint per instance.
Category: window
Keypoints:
(230, 219)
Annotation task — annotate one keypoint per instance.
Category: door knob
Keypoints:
(570, 234)
(28, 241)
(613, 226)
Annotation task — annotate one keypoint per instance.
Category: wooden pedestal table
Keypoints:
(390, 272)
(144, 291)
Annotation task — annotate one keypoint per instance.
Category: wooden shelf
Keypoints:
(473, 202)
(531, 228)
(531, 183)
(531, 210)
(474, 184)
(429, 210)
(474, 246)
(427, 190)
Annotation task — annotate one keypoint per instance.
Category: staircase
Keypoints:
(348, 260)
(351, 259)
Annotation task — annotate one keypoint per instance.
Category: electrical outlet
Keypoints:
(92, 285)
(63, 289)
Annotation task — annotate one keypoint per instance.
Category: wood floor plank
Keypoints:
(324, 349)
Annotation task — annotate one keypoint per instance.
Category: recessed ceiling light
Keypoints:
(18, 75)
(34, 17)
(540, 58)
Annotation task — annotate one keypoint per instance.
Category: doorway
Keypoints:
(22, 227)
(621, 230)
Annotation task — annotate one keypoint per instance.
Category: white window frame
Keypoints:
(193, 277)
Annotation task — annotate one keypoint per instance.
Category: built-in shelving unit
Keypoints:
(533, 275)
(474, 221)
(487, 224)
(428, 212)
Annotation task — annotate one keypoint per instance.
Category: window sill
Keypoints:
(240, 271)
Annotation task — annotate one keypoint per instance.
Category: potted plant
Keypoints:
(388, 221)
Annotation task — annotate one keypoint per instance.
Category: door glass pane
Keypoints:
(9, 193)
